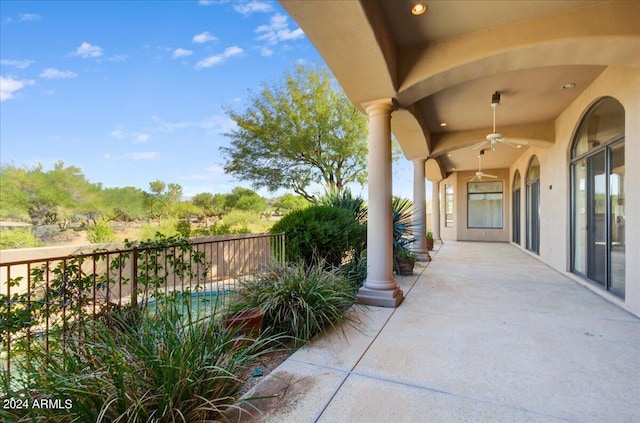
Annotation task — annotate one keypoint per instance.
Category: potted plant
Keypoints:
(247, 322)
(405, 260)
(429, 240)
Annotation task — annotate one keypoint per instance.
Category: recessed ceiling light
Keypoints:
(418, 9)
(518, 146)
(443, 124)
(449, 155)
(453, 168)
(568, 86)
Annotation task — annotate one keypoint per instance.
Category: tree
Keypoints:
(58, 196)
(297, 134)
(126, 204)
(160, 201)
(246, 199)
(289, 202)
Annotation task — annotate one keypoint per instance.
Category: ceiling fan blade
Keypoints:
(478, 145)
(517, 142)
(489, 176)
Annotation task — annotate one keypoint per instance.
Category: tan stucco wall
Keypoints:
(459, 231)
(624, 85)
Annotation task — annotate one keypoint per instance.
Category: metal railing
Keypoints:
(44, 300)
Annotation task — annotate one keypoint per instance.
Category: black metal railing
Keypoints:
(44, 300)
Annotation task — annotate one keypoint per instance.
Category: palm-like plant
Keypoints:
(402, 213)
(346, 200)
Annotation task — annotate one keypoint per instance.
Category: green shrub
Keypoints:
(157, 370)
(320, 232)
(219, 228)
(355, 270)
(183, 227)
(101, 232)
(297, 301)
(167, 228)
(18, 238)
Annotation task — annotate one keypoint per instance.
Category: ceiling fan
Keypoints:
(480, 174)
(495, 137)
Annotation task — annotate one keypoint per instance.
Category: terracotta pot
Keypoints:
(405, 267)
(429, 244)
(247, 322)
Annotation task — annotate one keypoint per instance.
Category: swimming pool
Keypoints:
(199, 304)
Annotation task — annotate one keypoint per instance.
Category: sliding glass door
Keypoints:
(597, 198)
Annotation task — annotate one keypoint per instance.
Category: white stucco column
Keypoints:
(419, 247)
(380, 288)
(435, 210)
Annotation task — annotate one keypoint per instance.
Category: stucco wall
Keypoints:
(624, 85)
(483, 234)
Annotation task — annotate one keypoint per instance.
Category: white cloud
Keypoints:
(220, 122)
(219, 58)
(142, 137)
(52, 73)
(117, 133)
(30, 17)
(87, 50)
(253, 7)
(204, 37)
(118, 58)
(20, 64)
(278, 30)
(209, 173)
(266, 51)
(181, 52)
(142, 155)
(9, 87)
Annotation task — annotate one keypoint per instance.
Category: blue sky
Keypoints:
(133, 91)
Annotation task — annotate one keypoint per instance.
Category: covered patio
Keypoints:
(487, 332)
(522, 115)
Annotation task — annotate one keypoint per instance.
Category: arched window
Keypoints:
(515, 209)
(533, 206)
(597, 197)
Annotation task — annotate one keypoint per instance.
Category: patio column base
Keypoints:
(380, 298)
(422, 255)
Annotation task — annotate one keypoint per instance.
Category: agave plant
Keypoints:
(345, 200)
(402, 213)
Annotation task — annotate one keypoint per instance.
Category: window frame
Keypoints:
(501, 193)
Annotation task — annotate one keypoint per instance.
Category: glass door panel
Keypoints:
(618, 247)
(516, 216)
(597, 218)
(579, 217)
(533, 216)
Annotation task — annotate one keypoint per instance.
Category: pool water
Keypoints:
(199, 304)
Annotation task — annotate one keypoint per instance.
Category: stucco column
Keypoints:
(435, 210)
(419, 247)
(380, 288)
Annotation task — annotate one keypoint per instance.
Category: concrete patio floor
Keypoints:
(485, 333)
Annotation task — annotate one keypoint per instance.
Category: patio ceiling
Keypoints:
(444, 65)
